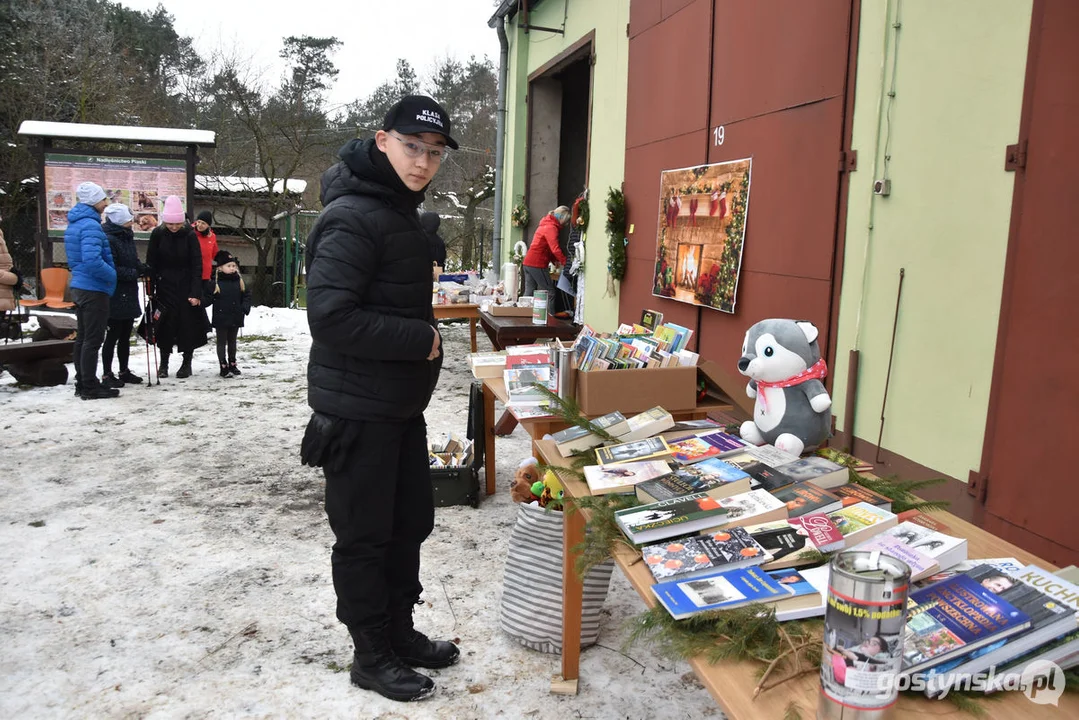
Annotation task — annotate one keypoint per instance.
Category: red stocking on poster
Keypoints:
(723, 205)
(693, 212)
(713, 206)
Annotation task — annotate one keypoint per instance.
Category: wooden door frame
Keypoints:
(977, 484)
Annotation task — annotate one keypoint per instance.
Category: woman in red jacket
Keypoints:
(545, 250)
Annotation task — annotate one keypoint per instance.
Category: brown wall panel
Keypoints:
(643, 14)
(670, 7)
(762, 296)
(667, 94)
(643, 167)
(773, 54)
(790, 229)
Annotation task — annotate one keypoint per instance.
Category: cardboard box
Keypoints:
(509, 310)
(632, 391)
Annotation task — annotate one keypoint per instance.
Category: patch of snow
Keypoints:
(123, 133)
(236, 184)
(165, 554)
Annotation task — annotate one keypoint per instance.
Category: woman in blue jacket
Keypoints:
(93, 278)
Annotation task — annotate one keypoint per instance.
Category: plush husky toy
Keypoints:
(782, 360)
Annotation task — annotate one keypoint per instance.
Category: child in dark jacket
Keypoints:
(232, 300)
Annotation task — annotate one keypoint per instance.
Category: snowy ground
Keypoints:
(165, 555)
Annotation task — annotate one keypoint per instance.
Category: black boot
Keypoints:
(129, 377)
(375, 667)
(225, 370)
(163, 368)
(416, 649)
(111, 381)
(185, 367)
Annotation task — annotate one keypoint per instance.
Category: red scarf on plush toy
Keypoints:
(817, 372)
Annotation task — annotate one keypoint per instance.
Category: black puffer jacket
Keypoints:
(124, 303)
(369, 294)
(232, 300)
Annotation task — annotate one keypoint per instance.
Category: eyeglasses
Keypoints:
(416, 148)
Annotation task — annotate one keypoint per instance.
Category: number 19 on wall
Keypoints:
(718, 132)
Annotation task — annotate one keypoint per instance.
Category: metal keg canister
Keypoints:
(863, 636)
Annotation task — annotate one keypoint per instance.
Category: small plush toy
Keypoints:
(782, 359)
(550, 491)
(526, 476)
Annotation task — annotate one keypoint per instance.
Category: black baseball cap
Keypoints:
(415, 114)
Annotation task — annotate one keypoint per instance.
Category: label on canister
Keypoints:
(863, 633)
(539, 307)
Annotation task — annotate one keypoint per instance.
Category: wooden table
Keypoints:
(505, 330)
(495, 388)
(731, 683)
(467, 311)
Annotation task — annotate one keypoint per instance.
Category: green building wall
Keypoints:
(957, 69)
(527, 53)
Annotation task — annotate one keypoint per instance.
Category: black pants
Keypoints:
(226, 337)
(118, 339)
(537, 279)
(92, 316)
(381, 509)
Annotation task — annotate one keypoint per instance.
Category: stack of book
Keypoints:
(529, 366)
(635, 346)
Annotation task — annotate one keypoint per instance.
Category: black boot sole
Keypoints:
(366, 684)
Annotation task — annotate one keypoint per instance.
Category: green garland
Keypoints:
(519, 214)
(616, 234)
(582, 214)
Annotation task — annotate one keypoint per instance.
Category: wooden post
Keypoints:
(488, 438)
(572, 598)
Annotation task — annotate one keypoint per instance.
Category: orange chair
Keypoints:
(54, 280)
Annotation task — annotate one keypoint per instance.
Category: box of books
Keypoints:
(602, 391)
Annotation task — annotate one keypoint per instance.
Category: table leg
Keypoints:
(489, 438)
(472, 332)
(572, 596)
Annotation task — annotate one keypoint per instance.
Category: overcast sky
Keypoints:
(374, 33)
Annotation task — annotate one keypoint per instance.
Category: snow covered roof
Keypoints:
(117, 133)
(235, 184)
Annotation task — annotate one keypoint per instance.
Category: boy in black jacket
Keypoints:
(375, 359)
(232, 300)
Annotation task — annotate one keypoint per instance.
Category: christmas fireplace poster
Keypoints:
(702, 226)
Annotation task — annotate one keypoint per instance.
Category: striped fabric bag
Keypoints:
(531, 607)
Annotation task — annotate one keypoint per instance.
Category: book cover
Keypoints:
(954, 617)
(653, 448)
(804, 595)
(719, 591)
(861, 521)
(725, 442)
(713, 477)
(804, 498)
(755, 506)
(530, 412)
(852, 494)
(945, 550)
(646, 424)
(823, 473)
(520, 385)
(670, 518)
(1055, 585)
(920, 518)
(1008, 565)
(701, 554)
(920, 565)
(796, 542)
(651, 319)
(817, 578)
(576, 438)
(620, 478)
(688, 450)
(767, 478)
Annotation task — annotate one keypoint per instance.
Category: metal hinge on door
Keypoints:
(848, 160)
(1015, 157)
(977, 483)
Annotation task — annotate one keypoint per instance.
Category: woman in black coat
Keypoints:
(232, 300)
(124, 303)
(175, 261)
